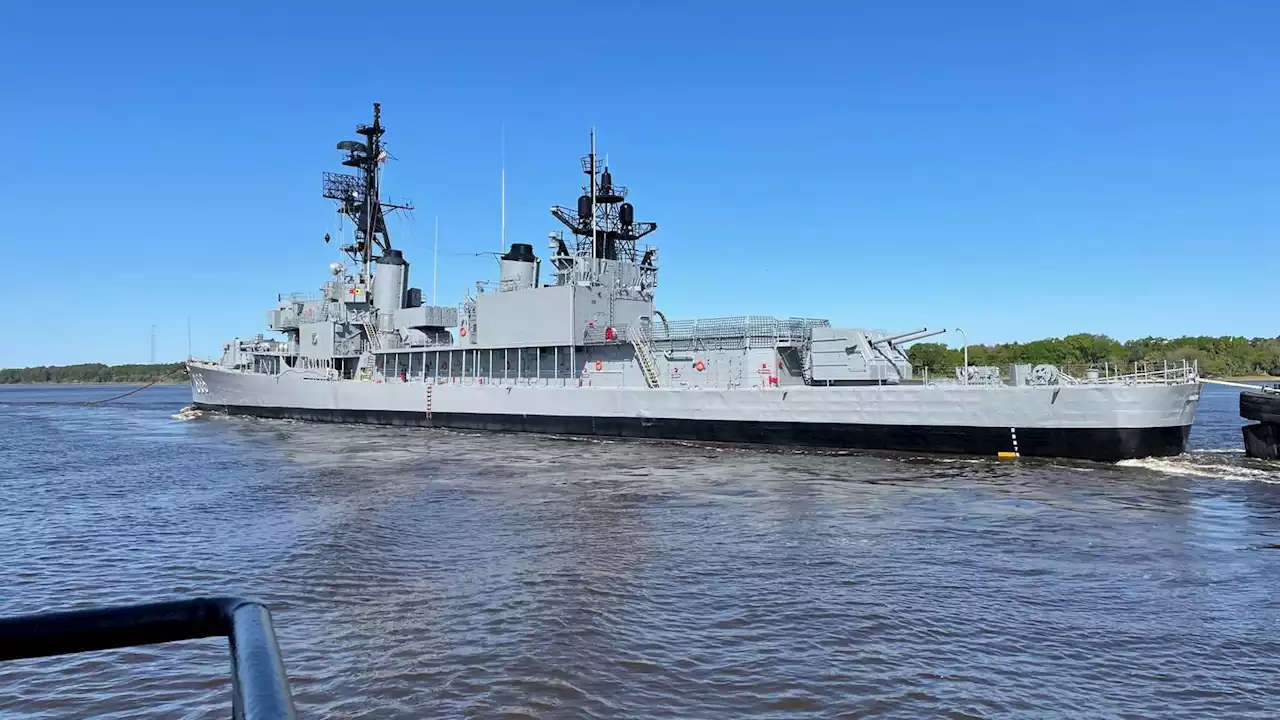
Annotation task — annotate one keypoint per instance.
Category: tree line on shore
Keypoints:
(1225, 356)
(94, 373)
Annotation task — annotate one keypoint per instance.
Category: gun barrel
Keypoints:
(913, 337)
(896, 338)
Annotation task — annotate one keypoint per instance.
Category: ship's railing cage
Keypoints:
(316, 364)
(311, 313)
(1139, 373)
(1160, 372)
(299, 297)
(349, 347)
(429, 341)
(268, 346)
(260, 688)
(554, 365)
(624, 274)
(724, 333)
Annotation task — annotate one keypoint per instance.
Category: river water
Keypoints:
(423, 573)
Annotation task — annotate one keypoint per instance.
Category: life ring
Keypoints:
(599, 365)
(699, 366)
(462, 331)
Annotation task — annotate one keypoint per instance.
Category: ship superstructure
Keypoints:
(588, 353)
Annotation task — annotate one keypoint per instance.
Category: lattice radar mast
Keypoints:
(357, 195)
(604, 221)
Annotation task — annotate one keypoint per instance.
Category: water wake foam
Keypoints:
(190, 412)
(1216, 466)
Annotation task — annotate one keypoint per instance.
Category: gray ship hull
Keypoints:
(1094, 422)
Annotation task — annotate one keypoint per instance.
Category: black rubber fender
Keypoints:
(1262, 441)
(1263, 407)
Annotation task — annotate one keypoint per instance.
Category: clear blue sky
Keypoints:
(1018, 169)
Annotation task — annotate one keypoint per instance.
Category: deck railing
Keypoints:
(1140, 373)
(746, 331)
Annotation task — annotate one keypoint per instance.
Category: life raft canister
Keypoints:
(699, 366)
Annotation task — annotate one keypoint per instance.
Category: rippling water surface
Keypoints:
(421, 573)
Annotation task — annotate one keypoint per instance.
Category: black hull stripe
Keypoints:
(1083, 443)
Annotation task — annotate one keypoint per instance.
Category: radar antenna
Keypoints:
(603, 219)
(357, 195)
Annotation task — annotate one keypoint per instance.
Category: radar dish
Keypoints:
(352, 146)
(338, 186)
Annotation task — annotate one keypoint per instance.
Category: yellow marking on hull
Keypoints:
(1004, 454)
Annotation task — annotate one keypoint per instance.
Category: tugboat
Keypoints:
(586, 352)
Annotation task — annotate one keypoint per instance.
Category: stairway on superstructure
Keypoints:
(644, 354)
(371, 333)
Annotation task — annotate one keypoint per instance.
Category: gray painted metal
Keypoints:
(600, 394)
(389, 287)
(592, 345)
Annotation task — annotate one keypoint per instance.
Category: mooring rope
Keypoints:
(144, 387)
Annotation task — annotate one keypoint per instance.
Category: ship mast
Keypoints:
(596, 251)
(358, 195)
(603, 220)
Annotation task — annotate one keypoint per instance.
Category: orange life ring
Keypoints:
(699, 366)
(462, 331)
(599, 365)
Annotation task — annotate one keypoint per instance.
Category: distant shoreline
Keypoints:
(95, 374)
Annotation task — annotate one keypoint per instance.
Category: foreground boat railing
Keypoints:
(260, 687)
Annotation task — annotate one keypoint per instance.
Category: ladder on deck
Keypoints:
(371, 332)
(644, 354)
(364, 368)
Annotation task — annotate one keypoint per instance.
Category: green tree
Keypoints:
(95, 373)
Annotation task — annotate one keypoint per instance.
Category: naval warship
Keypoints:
(586, 352)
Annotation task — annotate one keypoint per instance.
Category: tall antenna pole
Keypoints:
(372, 197)
(435, 263)
(503, 246)
(594, 252)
